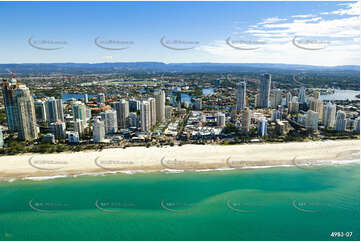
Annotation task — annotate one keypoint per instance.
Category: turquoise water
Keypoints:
(260, 204)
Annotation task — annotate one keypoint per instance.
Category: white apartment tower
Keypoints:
(329, 115)
(341, 121)
(153, 112)
(145, 116)
(98, 131)
(27, 119)
(312, 120)
(160, 105)
(110, 121)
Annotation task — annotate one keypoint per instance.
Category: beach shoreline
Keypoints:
(178, 159)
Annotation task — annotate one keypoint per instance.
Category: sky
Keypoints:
(312, 33)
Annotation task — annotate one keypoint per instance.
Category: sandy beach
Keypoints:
(179, 158)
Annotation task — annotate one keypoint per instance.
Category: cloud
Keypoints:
(286, 52)
(272, 20)
(341, 27)
(307, 20)
(352, 9)
(303, 16)
(341, 33)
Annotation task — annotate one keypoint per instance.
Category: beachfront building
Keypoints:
(245, 121)
(153, 112)
(241, 96)
(341, 121)
(160, 105)
(312, 120)
(48, 138)
(262, 126)
(27, 119)
(329, 115)
(122, 111)
(264, 89)
(282, 127)
(79, 127)
(98, 131)
(1, 138)
(145, 116)
(357, 125)
(72, 137)
(58, 129)
(19, 109)
(10, 103)
(110, 121)
(40, 112)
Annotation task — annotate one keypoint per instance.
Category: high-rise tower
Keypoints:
(241, 96)
(264, 91)
(27, 119)
(19, 109)
(160, 105)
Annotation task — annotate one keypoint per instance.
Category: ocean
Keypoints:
(288, 203)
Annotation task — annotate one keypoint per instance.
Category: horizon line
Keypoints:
(170, 63)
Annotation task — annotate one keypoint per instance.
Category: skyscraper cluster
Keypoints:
(123, 115)
(152, 110)
(311, 110)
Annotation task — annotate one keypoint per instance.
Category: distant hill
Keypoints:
(83, 68)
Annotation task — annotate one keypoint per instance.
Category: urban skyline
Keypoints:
(30, 117)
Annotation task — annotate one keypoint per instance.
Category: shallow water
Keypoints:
(258, 204)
